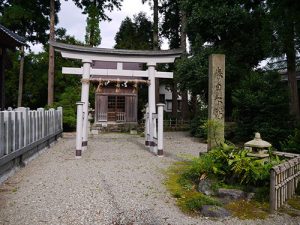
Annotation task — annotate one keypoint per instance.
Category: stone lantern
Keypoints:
(258, 147)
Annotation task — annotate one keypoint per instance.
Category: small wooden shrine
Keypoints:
(116, 97)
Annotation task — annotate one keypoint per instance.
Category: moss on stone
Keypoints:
(248, 209)
(188, 199)
(294, 202)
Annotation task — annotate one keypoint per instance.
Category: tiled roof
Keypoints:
(9, 38)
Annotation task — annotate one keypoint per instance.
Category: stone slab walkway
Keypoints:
(117, 181)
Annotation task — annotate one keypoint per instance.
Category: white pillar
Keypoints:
(151, 103)
(85, 100)
(160, 137)
(79, 129)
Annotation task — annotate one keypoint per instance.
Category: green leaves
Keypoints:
(261, 104)
(92, 36)
(136, 34)
(232, 165)
(28, 18)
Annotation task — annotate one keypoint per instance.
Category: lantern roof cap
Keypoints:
(257, 142)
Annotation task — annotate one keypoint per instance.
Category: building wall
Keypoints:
(166, 93)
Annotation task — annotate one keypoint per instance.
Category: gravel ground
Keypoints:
(117, 181)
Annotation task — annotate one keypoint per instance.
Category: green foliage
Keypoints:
(68, 101)
(236, 27)
(92, 36)
(136, 34)
(196, 203)
(250, 170)
(103, 6)
(260, 105)
(184, 190)
(292, 143)
(192, 73)
(231, 165)
(197, 123)
(28, 18)
(170, 28)
(67, 87)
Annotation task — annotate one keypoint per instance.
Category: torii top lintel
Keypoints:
(116, 55)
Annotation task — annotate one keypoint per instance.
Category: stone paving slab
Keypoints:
(117, 181)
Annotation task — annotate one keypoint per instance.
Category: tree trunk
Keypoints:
(185, 103)
(51, 55)
(193, 104)
(183, 22)
(2, 79)
(21, 73)
(174, 100)
(291, 69)
(155, 24)
(155, 43)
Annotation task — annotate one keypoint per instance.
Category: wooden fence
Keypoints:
(284, 180)
(22, 130)
(173, 124)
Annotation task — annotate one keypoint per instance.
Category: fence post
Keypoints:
(7, 132)
(160, 121)
(153, 145)
(42, 121)
(79, 123)
(273, 194)
(15, 130)
(60, 109)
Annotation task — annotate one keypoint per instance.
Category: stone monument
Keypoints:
(216, 100)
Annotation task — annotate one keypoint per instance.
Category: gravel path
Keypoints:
(116, 182)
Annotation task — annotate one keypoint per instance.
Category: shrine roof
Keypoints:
(9, 38)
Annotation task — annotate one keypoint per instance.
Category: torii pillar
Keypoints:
(152, 106)
(85, 99)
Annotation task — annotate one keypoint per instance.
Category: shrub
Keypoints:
(292, 143)
(197, 128)
(68, 101)
(231, 165)
(260, 105)
(184, 190)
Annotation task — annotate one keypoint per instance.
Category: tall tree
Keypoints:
(234, 28)
(86, 5)
(21, 77)
(92, 35)
(101, 5)
(136, 34)
(155, 23)
(51, 54)
(285, 17)
(155, 40)
(171, 30)
(174, 29)
(28, 19)
(183, 39)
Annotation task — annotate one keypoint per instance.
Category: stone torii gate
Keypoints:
(89, 55)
